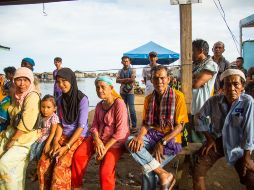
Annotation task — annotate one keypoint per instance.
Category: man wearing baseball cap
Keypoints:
(153, 57)
(29, 63)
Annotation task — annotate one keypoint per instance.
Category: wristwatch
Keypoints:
(163, 142)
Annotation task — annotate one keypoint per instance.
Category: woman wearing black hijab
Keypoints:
(72, 109)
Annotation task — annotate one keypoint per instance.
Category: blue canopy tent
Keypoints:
(139, 56)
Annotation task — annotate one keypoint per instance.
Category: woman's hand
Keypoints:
(102, 154)
(136, 144)
(158, 152)
(55, 147)
(46, 149)
(99, 147)
(61, 151)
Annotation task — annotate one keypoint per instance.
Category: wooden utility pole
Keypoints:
(186, 52)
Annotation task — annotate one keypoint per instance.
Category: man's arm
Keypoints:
(210, 143)
(118, 78)
(247, 162)
(202, 78)
(144, 75)
(177, 130)
(137, 142)
(247, 127)
(126, 80)
(121, 81)
(144, 80)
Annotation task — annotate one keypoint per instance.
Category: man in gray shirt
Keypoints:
(126, 77)
(223, 64)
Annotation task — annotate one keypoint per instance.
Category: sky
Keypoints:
(92, 35)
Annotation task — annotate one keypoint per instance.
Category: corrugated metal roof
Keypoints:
(247, 22)
(18, 2)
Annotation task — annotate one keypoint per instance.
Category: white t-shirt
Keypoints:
(146, 73)
(200, 95)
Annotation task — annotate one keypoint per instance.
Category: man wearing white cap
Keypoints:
(227, 122)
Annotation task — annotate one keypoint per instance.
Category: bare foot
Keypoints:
(165, 177)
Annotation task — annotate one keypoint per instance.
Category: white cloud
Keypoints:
(92, 35)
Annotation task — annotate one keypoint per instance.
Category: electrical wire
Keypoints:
(223, 15)
(103, 70)
(43, 10)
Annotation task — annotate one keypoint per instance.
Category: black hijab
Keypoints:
(70, 100)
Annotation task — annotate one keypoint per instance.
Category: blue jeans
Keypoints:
(148, 162)
(129, 101)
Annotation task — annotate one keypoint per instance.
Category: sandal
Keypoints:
(169, 185)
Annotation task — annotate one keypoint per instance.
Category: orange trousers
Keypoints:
(57, 175)
(107, 166)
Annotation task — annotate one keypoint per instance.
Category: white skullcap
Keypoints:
(230, 72)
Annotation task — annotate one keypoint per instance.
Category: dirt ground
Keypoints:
(220, 177)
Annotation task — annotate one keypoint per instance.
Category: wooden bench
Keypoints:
(183, 161)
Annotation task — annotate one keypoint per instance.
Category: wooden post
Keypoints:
(186, 52)
(241, 39)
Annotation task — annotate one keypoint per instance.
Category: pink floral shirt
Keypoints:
(45, 131)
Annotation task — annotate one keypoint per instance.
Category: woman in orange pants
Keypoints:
(54, 167)
(109, 131)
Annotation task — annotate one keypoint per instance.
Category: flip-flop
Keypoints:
(169, 185)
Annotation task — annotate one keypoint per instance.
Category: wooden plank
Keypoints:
(191, 148)
(19, 2)
(186, 52)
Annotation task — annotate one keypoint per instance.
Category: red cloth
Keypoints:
(107, 166)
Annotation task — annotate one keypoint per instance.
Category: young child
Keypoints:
(50, 123)
(4, 104)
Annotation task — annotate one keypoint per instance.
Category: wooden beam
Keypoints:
(19, 2)
(186, 52)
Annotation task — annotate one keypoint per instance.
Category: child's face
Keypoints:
(47, 108)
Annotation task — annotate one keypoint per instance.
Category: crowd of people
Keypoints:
(53, 130)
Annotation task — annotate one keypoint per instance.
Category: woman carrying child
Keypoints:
(54, 169)
(50, 123)
(109, 131)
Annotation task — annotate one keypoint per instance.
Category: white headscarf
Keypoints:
(27, 73)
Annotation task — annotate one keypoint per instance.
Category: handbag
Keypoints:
(127, 88)
(19, 117)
